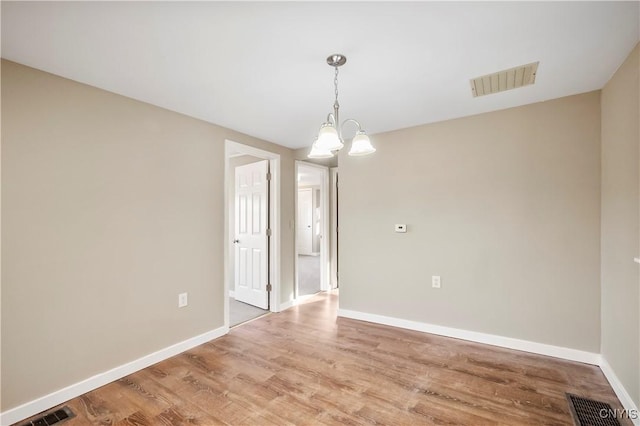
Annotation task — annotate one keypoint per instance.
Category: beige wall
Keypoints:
(504, 206)
(111, 207)
(621, 224)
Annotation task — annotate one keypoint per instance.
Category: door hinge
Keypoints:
(268, 175)
(269, 287)
(269, 232)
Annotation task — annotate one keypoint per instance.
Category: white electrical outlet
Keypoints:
(401, 228)
(182, 300)
(435, 281)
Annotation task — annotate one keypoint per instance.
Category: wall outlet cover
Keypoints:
(401, 227)
(435, 281)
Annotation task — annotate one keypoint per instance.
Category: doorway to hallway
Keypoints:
(313, 264)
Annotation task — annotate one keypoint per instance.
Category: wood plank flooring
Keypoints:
(304, 366)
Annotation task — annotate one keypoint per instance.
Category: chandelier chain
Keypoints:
(330, 137)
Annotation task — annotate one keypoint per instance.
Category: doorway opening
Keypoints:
(313, 263)
(252, 233)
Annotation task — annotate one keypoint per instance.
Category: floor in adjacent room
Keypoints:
(240, 312)
(308, 275)
(306, 366)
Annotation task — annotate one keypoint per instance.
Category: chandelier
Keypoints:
(330, 137)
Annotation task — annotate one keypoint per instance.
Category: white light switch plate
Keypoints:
(182, 300)
(401, 227)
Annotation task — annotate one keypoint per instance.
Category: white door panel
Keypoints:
(305, 221)
(251, 234)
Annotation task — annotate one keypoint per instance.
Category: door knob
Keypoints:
(236, 241)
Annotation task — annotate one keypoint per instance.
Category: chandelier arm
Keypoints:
(356, 122)
(332, 119)
(330, 136)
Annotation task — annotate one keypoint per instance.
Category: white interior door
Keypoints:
(305, 221)
(251, 234)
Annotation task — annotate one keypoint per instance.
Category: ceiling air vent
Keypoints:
(504, 80)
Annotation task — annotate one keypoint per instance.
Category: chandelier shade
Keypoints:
(319, 152)
(330, 137)
(361, 145)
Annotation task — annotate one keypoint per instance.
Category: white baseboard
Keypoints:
(36, 406)
(58, 397)
(291, 303)
(286, 305)
(473, 336)
(304, 298)
(621, 392)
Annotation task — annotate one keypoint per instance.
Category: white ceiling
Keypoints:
(260, 68)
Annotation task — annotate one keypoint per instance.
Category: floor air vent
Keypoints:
(587, 412)
(52, 418)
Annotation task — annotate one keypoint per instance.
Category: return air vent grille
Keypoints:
(504, 80)
(52, 418)
(587, 412)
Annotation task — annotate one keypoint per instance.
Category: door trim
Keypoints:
(233, 149)
(333, 253)
(325, 264)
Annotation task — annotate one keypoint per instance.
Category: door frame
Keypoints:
(234, 149)
(325, 264)
(334, 228)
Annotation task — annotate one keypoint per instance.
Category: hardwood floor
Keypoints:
(303, 366)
